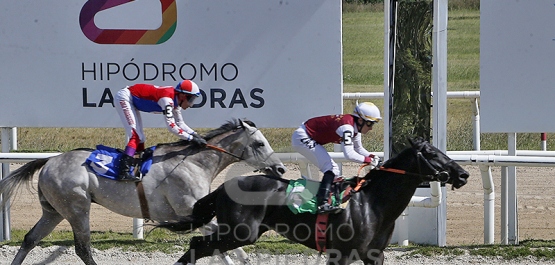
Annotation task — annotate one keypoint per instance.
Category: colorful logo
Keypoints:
(126, 36)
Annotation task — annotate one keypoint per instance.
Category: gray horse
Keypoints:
(180, 175)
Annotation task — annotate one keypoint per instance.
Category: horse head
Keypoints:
(431, 164)
(247, 143)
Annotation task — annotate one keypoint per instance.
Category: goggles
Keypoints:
(190, 98)
(370, 123)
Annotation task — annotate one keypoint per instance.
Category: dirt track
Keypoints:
(536, 207)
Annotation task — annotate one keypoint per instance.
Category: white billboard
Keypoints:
(517, 62)
(276, 63)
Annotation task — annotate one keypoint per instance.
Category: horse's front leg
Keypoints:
(242, 255)
(336, 258)
(198, 248)
(209, 229)
(374, 259)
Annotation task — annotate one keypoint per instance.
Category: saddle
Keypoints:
(301, 199)
(301, 194)
(104, 162)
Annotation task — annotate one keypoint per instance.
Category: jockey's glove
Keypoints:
(198, 141)
(373, 161)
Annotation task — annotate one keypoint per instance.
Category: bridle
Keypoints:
(436, 176)
(225, 151)
(441, 176)
(240, 157)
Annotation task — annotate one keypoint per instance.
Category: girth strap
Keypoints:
(142, 200)
(320, 231)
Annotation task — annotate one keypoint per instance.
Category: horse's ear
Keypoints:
(411, 141)
(245, 123)
(242, 124)
(416, 141)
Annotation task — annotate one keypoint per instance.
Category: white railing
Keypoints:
(10, 136)
(484, 159)
(472, 95)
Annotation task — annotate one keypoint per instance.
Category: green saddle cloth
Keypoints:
(301, 196)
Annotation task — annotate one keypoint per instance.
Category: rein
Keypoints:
(438, 175)
(223, 151)
(213, 147)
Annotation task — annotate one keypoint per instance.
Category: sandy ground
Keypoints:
(465, 211)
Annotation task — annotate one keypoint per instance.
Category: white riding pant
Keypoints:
(314, 152)
(129, 115)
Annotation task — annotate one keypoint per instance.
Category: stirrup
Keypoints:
(327, 208)
(129, 177)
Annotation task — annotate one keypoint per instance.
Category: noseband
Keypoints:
(438, 175)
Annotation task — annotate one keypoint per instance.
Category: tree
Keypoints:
(411, 114)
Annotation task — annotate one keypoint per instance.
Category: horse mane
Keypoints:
(399, 157)
(408, 154)
(384, 177)
(416, 145)
(226, 127)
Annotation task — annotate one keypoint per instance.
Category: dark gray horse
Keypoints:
(246, 207)
(180, 175)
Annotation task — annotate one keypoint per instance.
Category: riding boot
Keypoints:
(323, 194)
(125, 164)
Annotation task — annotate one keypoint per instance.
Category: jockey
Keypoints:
(346, 129)
(167, 100)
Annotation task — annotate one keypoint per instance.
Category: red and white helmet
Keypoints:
(367, 111)
(188, 87)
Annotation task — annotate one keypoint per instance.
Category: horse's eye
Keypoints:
(428, 153)
(258, 144)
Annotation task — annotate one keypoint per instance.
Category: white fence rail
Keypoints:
(484, 159)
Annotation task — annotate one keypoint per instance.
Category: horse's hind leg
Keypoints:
(79, 220)
(82, 239)
(47, 223)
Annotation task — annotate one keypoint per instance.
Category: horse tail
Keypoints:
(204, 211)
(24, 174)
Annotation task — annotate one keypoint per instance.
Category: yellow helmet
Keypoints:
(367, 111)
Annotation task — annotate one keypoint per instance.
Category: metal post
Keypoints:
(138, 230)
(504, 206)
(511, 188)
(304, 168)
(476, 139)
(390, 19)
(489, 204)
(439, 88)
(7, 140)
(439, 75)
(337, 148)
